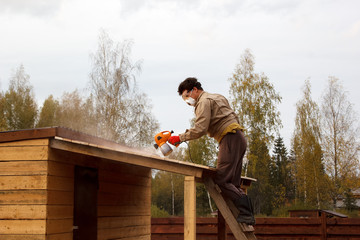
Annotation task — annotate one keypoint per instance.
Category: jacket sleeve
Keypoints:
(202, 121)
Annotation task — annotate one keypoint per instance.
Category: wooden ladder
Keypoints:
(227, 208)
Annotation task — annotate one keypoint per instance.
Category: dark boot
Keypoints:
(246, 215)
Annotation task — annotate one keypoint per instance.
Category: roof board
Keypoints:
(69, 140)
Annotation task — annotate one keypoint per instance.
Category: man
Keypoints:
(215, 117)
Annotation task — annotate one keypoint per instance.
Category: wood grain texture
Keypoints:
(23, 182)
(21, 168)
(24, 153)
(13, 212)
(189, 208)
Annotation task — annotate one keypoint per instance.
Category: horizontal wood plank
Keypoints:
(60, 169)
(60, 183)
(23, 237)
(117, 211)
(21, 168)
(24, 153)
(73, 158)
(60, 198)
(294, 230)
(32, 142)
(124, 189)
(23, 197)
(22, 182)
(343, 230)
(12, 212)
(120, 222)
(122, 199)
(124, 178)
(59, 211)
(114, 233)
(54, 226)
(22, 226)
(60, 236)
(289, 221)
(124, 168)
(343, 221)
(143, 237)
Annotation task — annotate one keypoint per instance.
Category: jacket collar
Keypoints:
(199, 97)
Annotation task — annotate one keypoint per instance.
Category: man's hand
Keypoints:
(174, 140)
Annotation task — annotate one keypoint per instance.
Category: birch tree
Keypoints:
(20, 108)
(310, 175)
(255, 101)
(340, 138)
(76, 112)
(115, 97)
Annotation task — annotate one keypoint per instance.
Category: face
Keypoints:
(186, 94)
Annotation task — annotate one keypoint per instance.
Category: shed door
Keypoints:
(85, 203)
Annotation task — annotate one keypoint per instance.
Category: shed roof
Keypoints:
(73, 141)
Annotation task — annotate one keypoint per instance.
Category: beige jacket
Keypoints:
(213, 114)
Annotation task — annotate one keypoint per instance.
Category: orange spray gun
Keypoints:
(161, 139)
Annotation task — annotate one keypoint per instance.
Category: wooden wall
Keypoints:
(124, 197)
(37, 194)
(23, 194)
(124, 202)
(60, 196)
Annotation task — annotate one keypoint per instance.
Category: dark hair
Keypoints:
(189, 84)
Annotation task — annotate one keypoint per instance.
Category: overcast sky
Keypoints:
(291, 41)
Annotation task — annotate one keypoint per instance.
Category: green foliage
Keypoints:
(168, 192)
(339, 139)
(204, 204)
(157, 212)
(350, 213)
(311, 180)
(3, 126)
(19, 109)
(202, 150)
(281, 175)
(168, 188)
(48, 112)
(258, 167)
(255, 100)
(350, 201)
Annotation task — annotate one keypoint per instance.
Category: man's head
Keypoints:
(188, 84)
(190, 89)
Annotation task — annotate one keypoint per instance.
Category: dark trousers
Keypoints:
(228, 170)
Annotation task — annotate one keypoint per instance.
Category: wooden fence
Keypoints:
(265, 229)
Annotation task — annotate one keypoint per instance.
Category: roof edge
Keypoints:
(51, 132)
(27, 134)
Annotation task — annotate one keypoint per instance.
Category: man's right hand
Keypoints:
(174, 140)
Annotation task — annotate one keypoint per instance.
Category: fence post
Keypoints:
(323, 226)
(221, 227)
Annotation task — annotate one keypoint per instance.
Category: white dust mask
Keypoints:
(190, 101)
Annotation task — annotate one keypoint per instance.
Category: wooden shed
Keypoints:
(59, 184)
